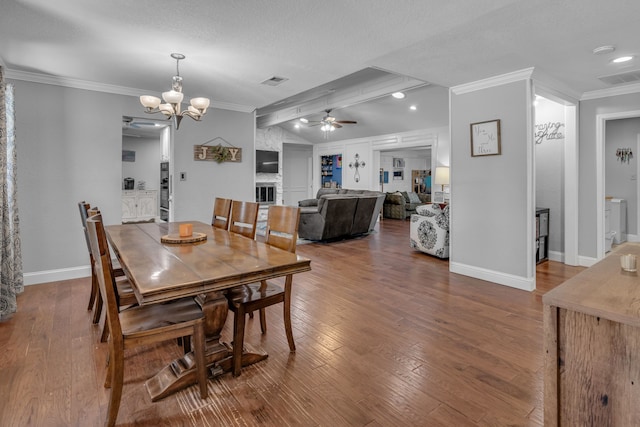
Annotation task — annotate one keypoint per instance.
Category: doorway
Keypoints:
(558, 179)
(147, 170)
(602, 121)
(296, 173)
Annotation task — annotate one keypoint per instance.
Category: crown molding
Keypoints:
(103, 87)
(616, 91)
(500, 80)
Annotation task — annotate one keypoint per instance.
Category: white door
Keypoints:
(296, 182)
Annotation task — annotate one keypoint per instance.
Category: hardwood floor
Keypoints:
(385, 336)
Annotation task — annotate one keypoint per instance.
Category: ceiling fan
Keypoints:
(330, 123)
(131, 122)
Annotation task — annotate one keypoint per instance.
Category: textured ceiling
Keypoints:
(232, 46)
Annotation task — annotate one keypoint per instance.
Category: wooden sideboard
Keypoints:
(592, 347)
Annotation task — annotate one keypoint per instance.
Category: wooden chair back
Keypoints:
(84, 208)
(282, 227)
(104, 273)
(244, 217)
(221, 211)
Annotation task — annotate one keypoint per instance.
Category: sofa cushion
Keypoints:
(307, 202)
(430, 209)
(394, 199)
(406, 196)
(323, 191)
(413, 198)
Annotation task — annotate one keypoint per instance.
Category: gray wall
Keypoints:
(621, 178)
(589, 109)
(69, 149)
(489, 194)
(146, 167)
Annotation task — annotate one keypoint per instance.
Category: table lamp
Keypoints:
(441, 178)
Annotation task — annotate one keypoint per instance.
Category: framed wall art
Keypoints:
(485, 138)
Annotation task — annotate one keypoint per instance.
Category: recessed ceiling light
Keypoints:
(297, 126)
(622, 59)
(603, 49)
(413, 108)
(303, 120)
(398, 95)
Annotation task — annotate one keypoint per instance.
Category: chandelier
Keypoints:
(173, 100)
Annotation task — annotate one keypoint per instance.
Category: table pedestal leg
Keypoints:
(181, 373)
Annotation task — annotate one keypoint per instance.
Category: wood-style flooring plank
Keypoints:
(385, 335)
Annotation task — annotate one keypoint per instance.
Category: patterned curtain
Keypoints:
(11, 279)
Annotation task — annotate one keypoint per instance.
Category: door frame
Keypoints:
(601, 128)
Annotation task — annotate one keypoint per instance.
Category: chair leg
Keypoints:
(116, 368)
(105, 331)
(263, 320)
(94, 290)
(287, 313)
(97, 309)
(201, 367)
(238, 339)
(186, 344)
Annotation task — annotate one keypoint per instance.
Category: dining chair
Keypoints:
(244, 217)
(141, 325)
(221, 210)
(282, 233)
(126, 297)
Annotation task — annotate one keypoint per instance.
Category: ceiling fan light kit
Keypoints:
(328, 123)
(173, 100)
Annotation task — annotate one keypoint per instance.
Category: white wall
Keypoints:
(70, 149)
(491, 209)
(369, 149)
(413, 160)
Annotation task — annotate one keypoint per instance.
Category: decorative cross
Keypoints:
(357, 164)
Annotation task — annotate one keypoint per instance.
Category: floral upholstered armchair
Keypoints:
(429, 230)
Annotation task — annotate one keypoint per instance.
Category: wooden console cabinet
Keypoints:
(592, 347)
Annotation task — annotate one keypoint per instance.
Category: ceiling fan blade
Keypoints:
(336, 125)
(346, 122)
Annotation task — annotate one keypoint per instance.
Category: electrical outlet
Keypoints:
(183, 176)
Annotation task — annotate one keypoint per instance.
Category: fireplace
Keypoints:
(266, 193)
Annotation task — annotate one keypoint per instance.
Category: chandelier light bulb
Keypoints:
(173, 99)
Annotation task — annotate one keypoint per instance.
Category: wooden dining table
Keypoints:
(161, 272)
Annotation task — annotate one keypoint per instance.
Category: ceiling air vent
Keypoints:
(274, 81)
(626, 77)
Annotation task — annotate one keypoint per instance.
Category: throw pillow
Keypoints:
(406, 197)
(413, 198)
(394, 199)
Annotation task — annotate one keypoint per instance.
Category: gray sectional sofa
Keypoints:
(338, 213)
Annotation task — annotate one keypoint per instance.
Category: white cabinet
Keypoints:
(139, 205)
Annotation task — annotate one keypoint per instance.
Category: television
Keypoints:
(267, 161)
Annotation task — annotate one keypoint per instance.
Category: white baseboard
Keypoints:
(585, 261)
(510, 280)
(38, 277)
(556, 256)
(634, 238)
